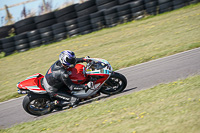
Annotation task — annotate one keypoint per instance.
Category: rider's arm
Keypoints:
(67, 81)
(80, 60)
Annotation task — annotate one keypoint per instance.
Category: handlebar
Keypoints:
(97, 64)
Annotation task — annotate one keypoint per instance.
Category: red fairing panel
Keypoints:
(100, 80)
(77, 75)
(32, 83)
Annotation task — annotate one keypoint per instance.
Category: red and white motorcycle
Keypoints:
(98, 70)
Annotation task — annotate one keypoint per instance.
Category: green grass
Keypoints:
(125, 45)
(166, 108)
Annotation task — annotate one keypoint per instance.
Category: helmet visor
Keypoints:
(71, 61)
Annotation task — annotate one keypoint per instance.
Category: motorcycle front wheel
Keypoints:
(37, 105)
(115, 84)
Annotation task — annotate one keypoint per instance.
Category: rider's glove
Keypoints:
(86, 57)
(89, 85)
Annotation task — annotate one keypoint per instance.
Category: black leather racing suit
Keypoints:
(57, 80)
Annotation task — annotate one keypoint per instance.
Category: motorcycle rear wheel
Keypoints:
(115, 84)
(37, 104)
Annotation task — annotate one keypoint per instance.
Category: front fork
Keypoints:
(108, 82)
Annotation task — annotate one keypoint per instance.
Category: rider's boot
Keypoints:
(66, 100)
(54, 104)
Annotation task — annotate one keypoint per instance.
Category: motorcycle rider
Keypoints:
(57, 80)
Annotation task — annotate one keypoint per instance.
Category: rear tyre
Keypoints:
(115, 84)
(37, 104)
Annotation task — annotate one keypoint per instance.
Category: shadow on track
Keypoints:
(102, 97)
(105, 96)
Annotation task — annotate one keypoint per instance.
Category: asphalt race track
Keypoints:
(142, 76)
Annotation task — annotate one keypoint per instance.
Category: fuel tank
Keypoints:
(78, 74)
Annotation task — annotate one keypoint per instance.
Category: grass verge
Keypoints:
(123, 46)
(169, 108)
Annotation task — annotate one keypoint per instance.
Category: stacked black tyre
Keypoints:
(34, 38)
(86, 8)
(165, 5)
(6, 30)
(137, 9)
(59, 31)
(111, 16)
(106, 4)
(21, 42)
(8, 45)
(83, 12)
(66, 13)
(121, 2)
(124, 13)
(25, 25)
(151, 6)
(45, 20)
(84, 24)
(192, 1)
(1, 48)
(178, 4)
(97, 20)
(46, 35)
(72, 28)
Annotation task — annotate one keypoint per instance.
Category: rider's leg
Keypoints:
(64, 99)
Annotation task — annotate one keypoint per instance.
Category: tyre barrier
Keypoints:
(165, 5)
(72, 28)
(21, 42)
(83, 12)
(5, 30)
(124, 13)
(84, 24)
(85, 8)
(46, 35)
(66, 13)
(25, 25)
(1, 49)
(8, 45)
(97, 20)
(106, 4)
(120, 2)
(59, 31)
(34, 38)
(111, 17)
(80, 19)
(151, 6)
(45, 20)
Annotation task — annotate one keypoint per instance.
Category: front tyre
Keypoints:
(37, 104)
(115, 84)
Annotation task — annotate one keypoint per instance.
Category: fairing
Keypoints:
(78, 76)
(98, 72)
(32, 83)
